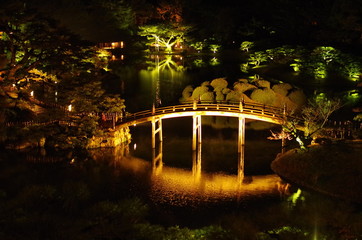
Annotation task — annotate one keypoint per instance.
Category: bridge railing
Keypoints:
(235, 107)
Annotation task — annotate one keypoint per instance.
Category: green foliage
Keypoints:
(317, 62)
(219, 83)
(121, 12)
(208, 96)
(90, 98)
(198, 46)
(199, 63)
(163, 36)
(234, 96)
(358, 117)
(297, 96)
(265, 96)
(112, 104)
(246, 45)
(30, 41)
(199, 91)
(187, 93)
(100, 59)
(244, 67)
(327, 54)
(214, 48)
(242, 87)
(316, 114)
(296, 65)
(253, 90)
(219, 96)
(214, 61)
(257, 58)
(282, 88)
(262, 83)
(314, 117)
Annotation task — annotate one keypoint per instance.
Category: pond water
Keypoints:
(179, 191)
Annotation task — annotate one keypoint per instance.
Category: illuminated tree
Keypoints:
(164, 35)
(246, 45)
(314, 117)
(34, 49)
(214, 47)
(257, 58)
(30, 41)
(198, 46)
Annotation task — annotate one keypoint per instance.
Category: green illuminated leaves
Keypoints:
(163, 36)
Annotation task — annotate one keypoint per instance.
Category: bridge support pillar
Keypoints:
(196, 164)
(156, 129)
(241, 145)
(196, 132)
(157, 163)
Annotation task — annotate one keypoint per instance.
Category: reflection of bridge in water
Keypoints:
(241, 110)
(178, 186)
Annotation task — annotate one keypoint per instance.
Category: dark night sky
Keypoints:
(333, 20)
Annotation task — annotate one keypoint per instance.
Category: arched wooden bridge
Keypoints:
(254, 111)
(196, 110)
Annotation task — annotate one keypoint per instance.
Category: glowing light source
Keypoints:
(32, 93)
(70, 107)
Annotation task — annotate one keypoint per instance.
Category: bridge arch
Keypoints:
(239, 110)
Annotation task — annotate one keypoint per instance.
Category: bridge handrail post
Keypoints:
(241, 106)
(194, 105)
(153, 109)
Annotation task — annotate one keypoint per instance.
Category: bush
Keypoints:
(265, 96)
(282, 88)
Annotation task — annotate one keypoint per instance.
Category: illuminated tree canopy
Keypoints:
(314, 118)
(164, 35)
(29, 42)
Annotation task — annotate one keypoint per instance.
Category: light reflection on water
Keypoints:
(192, 187)
(182, 188)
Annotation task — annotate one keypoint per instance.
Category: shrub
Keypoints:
(282, 88)
(265, 96)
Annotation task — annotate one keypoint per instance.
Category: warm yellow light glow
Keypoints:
(195, 185)
(179, 186)
(70, 107)
(32, 93)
